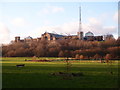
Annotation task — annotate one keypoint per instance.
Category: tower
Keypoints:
(80, 33)
(17, 39)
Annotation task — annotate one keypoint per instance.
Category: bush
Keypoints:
(77, 56)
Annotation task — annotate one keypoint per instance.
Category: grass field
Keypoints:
(38, 74)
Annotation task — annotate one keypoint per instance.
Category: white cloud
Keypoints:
(115, 17)
(4, 34)
(94, 25)
(47, 22)
(19, 22)
(45, 11)
(66, 28)
(57, 9)
(98, 28)
(102, 30)
(51, 9)
(94, 21)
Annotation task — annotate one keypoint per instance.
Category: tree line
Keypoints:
(64, 48)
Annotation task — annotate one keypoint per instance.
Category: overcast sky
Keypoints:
(34, 18)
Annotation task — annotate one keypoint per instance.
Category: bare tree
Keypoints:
(107, 57)
(97, 56)
(77, 56)
(61, 54)
(81, 57)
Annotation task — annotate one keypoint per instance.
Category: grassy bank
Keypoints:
(38, 74)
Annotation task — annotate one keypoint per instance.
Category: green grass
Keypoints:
(38, 74)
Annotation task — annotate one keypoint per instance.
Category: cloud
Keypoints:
(51, 10)
(66, 28)
(110, 28)
(94, 25)
(45, 11)
(102, 30)
(47, 22)
(57, 9)
(115, 17)
(5, 34)
(94, 21)
(19, 22)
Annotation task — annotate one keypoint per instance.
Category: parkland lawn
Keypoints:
(38, 74)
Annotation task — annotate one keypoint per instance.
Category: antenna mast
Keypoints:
(80, 33)
(80, 19)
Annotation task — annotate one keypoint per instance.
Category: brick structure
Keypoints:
(89, 36)
(51, 36)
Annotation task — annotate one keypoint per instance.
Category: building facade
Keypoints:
(89, 36)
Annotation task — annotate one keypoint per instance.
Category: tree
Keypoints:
(81, 57)
(97, 56)
(10, 53)
(40, 51)
(64, 48)
(77, 56)
(61, 54)
(66, 53)
(107, 57)
(114, 51)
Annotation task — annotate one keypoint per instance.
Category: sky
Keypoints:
(34, 18)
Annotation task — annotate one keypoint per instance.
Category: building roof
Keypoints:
(56, 35)
(28, 37)
(89, 34)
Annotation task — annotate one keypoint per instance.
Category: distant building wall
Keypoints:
(89, 36)
(99, 38)
(17, 39)
(107, 37)
(46, 36)
(80, 35)
(51, 36)
(93, 38)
